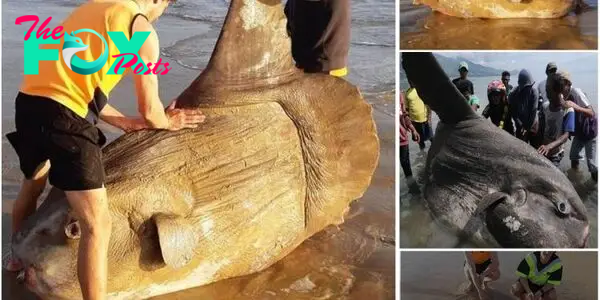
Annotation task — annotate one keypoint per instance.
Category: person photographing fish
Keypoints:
(56, 137)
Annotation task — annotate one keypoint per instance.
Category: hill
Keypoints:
(450, 66)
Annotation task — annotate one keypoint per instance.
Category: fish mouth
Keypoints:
(511, 231)
(30, 277)
(586, 237)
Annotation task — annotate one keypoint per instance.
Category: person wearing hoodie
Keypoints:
(523, 105)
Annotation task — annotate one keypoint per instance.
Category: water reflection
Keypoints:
(423, 29)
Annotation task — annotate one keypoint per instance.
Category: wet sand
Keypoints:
(420, 28)
(439, 275)
(354, 261)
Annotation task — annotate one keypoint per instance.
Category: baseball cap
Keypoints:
(463, 65)
(550, 66)
(564, 75)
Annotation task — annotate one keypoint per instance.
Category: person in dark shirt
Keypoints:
(539, 274)
(465, 88)
(523, 105)
(463, 69)
(505, 81)
(497, 109)
(320, 34)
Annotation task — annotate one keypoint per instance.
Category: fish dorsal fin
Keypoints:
(253, 50)
(435, 88)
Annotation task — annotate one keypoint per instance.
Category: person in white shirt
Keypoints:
(551, 68)
(579, 101)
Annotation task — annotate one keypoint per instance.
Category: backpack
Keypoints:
(586, 128)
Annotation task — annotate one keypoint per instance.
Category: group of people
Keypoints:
(544, 116)
(56, 137)
(539, 273)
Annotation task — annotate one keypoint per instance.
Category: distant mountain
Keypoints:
(450, 66)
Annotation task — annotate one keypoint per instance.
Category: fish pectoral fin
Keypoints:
(177, 239)
(487, 201)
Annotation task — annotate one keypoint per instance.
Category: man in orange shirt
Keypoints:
(56, 137)
(481, 267)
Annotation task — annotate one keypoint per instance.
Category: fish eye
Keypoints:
(561, 207)
(520, 196)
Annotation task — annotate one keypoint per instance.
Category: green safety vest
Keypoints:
(540, 277)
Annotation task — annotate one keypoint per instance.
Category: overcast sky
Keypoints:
(535, 62)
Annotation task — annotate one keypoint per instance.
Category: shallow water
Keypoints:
(439, 275)
(420, 28)
(353, 261)
(419, 230)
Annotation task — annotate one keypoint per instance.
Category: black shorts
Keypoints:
(47, 130)
(320, 33)
(479, 268)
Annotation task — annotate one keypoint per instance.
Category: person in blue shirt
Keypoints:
(559, 118)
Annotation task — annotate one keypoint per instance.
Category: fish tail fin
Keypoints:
(339, 144)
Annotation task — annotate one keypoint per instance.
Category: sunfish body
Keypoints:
(281, 156)
(483, 184)
(498, 9)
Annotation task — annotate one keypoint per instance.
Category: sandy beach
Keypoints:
(439, 275)
(353, 261)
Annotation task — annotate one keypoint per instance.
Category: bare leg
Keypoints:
(25, 205)
(471, 285)
(551, 295)
(31, 189)
(518, 291)
(91, 207)
(492, 276)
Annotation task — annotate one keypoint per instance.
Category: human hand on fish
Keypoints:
(543, 150)
(183, 118)
(415, 136)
